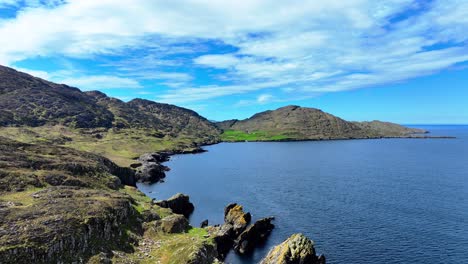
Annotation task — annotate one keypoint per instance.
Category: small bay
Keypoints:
(361, 201)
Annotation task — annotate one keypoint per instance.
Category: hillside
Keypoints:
(31, 101)
(301, 123)
(33, 110)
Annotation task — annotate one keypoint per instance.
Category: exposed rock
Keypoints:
(234, 214)
(154, 157)
(179, 204)
(253, 235)
(204, 223)
(135, 165)
(114, 183)
(149, 169)
(205, 254)
(234, 233)
(297, 249)
(149, 215)
(173, 224)
(223, 237)
(66, 219)
(150, 172)
(55, 179)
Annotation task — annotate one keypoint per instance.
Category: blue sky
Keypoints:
(396, 60)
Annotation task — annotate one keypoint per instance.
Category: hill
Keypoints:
(302, 123)
(34, 110)
(31, 101)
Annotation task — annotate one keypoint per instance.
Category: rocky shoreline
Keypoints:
(236, 233)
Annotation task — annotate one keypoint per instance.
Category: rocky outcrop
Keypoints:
(204, 223)
(206, 253)
(297, 249)
(150, 169)
(63, 220)
(253, 235)
(179, 204)
(173, 224)
(223, 237)
(234, 215)
(237, 233)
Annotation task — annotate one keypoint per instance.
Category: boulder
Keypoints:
(179, 204)
(204, 223)
(150, 172)
(223, 238)
(297, 249)
(154, 157)
(253, 235)
(173, 224)
(234, 214)
(149, 168)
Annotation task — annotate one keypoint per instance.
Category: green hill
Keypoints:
(302, 123)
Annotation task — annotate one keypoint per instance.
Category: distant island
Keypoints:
(70, 160)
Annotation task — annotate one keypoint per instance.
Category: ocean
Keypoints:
(361, 201)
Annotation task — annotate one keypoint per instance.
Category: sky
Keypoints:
(402, 61)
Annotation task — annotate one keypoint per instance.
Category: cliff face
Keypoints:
(55, 201)
(60, 205)
(301, 123)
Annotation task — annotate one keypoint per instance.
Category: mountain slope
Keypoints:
(30, 101)
(33, 110)
(166, 119)
(301, 123)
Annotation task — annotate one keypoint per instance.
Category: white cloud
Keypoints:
(41, 74)
(293, 46)
(218, 61)
(264, 98)
(99, 82)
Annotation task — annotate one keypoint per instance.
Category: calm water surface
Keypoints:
(361, 201)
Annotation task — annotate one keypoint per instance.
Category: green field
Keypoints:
(237, 135)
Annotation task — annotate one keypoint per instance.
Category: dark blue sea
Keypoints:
(361, 201)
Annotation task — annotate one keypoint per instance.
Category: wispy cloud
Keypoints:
(297, 48)
(99, 82)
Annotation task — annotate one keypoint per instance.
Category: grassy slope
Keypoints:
(120, 146)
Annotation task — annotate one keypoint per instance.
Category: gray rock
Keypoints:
(253, 235)
(173, 224)
(205, 254)
(204, 223)
(297, 249)
(179, 204)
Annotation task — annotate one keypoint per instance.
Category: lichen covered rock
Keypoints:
(297, 249)
(234, 214)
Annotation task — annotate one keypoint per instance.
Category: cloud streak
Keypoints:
(298, 48)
